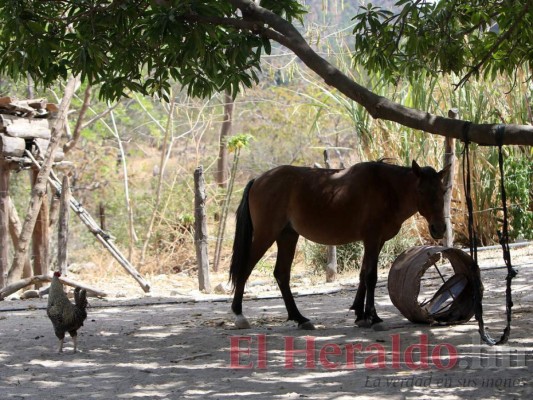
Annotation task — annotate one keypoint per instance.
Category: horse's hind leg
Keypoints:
(359, 301)
(258, 249)
(286, 242)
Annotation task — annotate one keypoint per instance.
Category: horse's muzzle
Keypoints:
(437, 230)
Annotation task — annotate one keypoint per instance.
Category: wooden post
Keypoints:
(200, 230)
(41, 235)
(4, 221)
(62, 233)
(449, 160)
(101, 212)
(331, 263)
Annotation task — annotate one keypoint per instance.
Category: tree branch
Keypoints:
(78, 128)
(379, 107)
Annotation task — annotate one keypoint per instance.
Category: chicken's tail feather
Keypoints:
(80, 298)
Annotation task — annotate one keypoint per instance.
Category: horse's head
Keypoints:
(430, 198)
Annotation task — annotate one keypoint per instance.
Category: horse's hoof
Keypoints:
(380, 327)
(363, 323)
(241, 322)
(308, 326)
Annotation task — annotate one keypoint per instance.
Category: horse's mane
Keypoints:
(391, 163)
(386, 160)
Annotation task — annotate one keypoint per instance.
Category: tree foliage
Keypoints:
(467, 38)
(212, 45)
(133, 45)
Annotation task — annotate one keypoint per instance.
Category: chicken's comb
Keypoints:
(57, 273)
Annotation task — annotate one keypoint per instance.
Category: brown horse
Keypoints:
(367, 202)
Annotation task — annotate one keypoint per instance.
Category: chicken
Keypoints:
(65, 316)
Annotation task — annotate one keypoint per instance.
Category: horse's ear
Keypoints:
(416, 168)
(444, 173)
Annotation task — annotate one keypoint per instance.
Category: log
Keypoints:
(52, 108)
(39, 279)
(42, 145)
(6, 100)
(11, 147)
(37, 104)
(26, 128)
(19, 109)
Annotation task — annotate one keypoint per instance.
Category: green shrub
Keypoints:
(350, 256)
(519, 190)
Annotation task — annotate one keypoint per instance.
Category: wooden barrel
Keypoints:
(452, 303)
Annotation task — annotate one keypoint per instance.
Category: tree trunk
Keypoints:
(4, 221)
(225, 131)
(15, 228)
(331, 260)
(40, 185)
(449, 161)
(200, 231)
(62, 233)
(41, 234)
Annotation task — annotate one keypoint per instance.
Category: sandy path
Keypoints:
(161, 348)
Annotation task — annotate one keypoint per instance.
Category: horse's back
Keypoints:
(327, 206)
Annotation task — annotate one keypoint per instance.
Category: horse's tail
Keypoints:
(243, 239)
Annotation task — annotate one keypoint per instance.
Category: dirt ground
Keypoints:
(185, 347)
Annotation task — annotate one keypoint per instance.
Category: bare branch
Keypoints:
(78, 128)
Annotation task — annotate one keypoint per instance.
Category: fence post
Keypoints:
(331, 251)
(200, 230)
(449, 159)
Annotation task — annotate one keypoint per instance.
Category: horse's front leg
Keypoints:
(369, 274)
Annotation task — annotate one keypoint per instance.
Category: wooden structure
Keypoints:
(25, 125)
(25, 133)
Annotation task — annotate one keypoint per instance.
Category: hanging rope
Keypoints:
(503, 236)
(504, 240)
